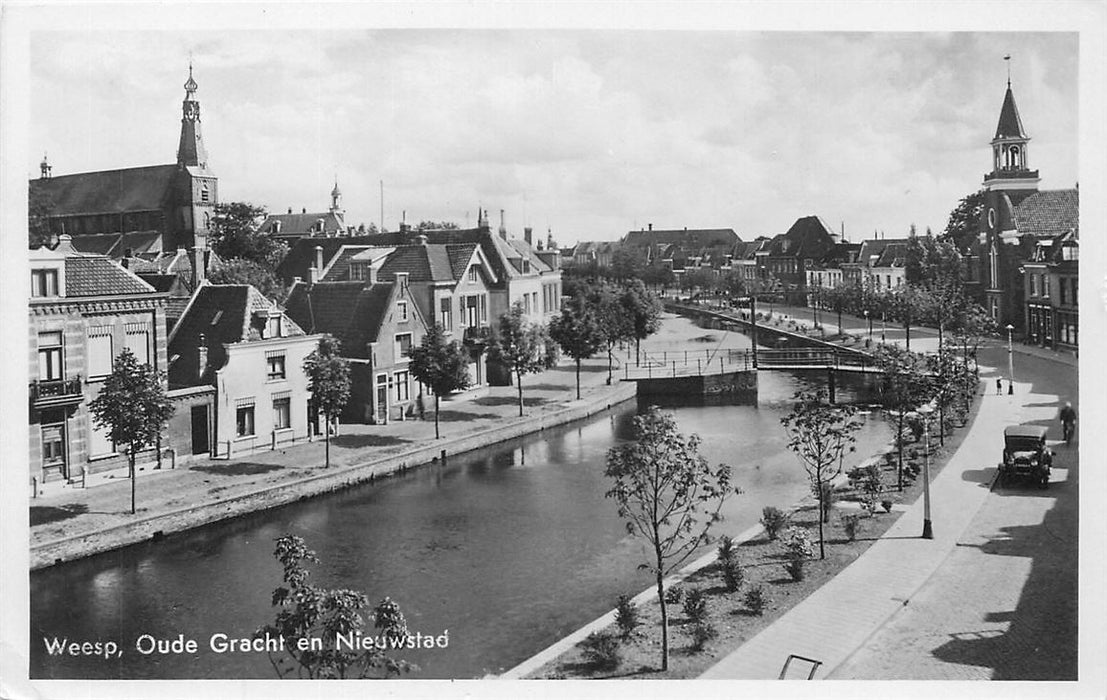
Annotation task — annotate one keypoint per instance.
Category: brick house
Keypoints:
(232, 338)
(377, 323)
(83, 310)
(1051, 279)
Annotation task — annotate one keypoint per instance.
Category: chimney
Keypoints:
(290, 210)
(528, 235)
(313, 275)
(503, 228)
(372, 271)
(651, 226)
(421, 239)
(304, 210)
(319, 258)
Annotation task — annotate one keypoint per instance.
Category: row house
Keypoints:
(84, 309)
(1051, 279)
(880, 265)
(377, 323)
(232, 338)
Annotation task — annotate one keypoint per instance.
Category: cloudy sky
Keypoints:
(588, 132)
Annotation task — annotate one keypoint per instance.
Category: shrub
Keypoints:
(886, 505)
(794, 568)
(627, 616)
(727, 549)
(695, 605)
(850, 521)
(798, 549)
(601, 649)
(733, 574)
(674, 595)
(702, 633)
(756, 600)
(774, 520)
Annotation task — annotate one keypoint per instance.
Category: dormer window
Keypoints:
(44, 283)
(273, 327)
(526, 266)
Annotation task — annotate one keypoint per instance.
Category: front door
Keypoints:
(200, 444)
(54, 462)
(381, 404)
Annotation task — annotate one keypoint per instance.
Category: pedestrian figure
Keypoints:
(999, 386)
(1068, 421)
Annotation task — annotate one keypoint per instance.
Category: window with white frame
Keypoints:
(1033, 285)
(472, 274)
(401, 310)
(276, 365)
(282, 412)
(99, 351)
(50, 359)
(273, 326)
(44, 283)
(1045, 286)
(446, 315)
(137, 339)
(403, 386)
(403, 345)
(244, 419)
(483, 305)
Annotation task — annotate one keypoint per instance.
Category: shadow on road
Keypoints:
(41, 515)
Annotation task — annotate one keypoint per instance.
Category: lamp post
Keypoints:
(928, 530)
(1010, 361)
(883, 324)
(870, 322)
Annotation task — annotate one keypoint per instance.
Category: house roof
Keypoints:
(808, 237)
(224, 313)
(301, 253)
(1048, 213)
(95, 275)
(108, 191)
(116, 245)
(303, 223)
(353, 312)
(694, 238)
(1009, 126)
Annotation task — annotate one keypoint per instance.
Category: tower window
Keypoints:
(204, 195)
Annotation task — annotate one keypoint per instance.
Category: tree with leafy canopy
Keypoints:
(243, 271)
(668, 495)
(39, 208)
(627, 263)
(520, 345)
(821, 434)
(235, 234)
(643, 312)
(615, 324)
(308, 612)
(577, 330)
(964, 221)
(441, 365)
(904, 385)
(328, 376)
(133, 407)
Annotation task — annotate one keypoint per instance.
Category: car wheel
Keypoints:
(1044, 483)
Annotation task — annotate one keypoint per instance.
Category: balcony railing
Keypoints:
(56, 392)
(477, 334)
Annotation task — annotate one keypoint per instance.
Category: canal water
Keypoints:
(507, 550)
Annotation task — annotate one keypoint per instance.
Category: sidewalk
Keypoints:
(838, 618)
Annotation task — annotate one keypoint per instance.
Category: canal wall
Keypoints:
(741, 383)
(155, 526)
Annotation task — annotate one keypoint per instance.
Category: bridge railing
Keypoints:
(689, 364)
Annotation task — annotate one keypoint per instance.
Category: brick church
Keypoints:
(156, 208)
(1017, 219)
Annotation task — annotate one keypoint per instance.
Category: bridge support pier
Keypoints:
(830, 384)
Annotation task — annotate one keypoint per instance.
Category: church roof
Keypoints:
(1010, 126)
(1048, 213)
(145, 188)
(116, 245)
(302, 223)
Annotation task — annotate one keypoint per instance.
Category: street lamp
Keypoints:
(870, 322)
(928, 531)
(1010, 361)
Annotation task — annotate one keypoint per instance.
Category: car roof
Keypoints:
(1029, 431)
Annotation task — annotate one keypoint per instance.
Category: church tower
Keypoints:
(1010, 165)
(336, 198)
(191, 150)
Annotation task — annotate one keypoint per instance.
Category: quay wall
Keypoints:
(155, 526)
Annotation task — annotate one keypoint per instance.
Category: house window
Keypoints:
(99, 351)
(403, 345)
(526, 304)
(276, 366)
(472, 274)
(137, 340)
(483, 305)
(1033, 285)
(357, 271)
(50, 355)
(1045, 286)
(403, 388)
(446, 315)
(244, 421)
(99, 441)
(282, 413)
(401, 308)
(44, 283)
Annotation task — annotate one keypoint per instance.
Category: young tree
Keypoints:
(577, 330)
(668, 495)
(133, 407)
(440, 365)
(235, 234)
(309, 612)
(904, 385)
(329, 381)
(615, 325)
(520, 345)
(820, 434)
(643, 312)
(243, 271)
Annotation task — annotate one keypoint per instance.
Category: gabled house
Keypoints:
(790, 255)
(1051, 279)
(232, 338)
(377, 322)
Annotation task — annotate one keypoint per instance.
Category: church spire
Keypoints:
(191, 150)
(1010, 162)
(336, 197)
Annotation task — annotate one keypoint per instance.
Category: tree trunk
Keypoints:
(519, 384)
(899, 449)
(823, 513)
(637, 350)
(131, 465)
(907, 330)
(436, 417)
(664, 619)
(578, 378)
(327, 442)
(610, 360)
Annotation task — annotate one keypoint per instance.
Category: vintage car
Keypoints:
(1025, 454)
